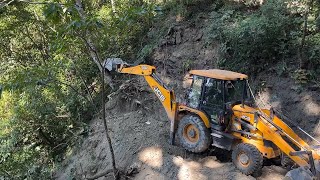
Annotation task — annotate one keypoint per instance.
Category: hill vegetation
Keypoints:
(50, 55)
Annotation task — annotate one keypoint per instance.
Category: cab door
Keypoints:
(212, 99)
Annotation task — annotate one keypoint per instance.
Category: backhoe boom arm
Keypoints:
(166, 96)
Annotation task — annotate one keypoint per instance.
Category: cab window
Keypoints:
(194, 95)
(233, 90)
(213, 96)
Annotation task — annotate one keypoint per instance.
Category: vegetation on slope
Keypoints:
(50, 84)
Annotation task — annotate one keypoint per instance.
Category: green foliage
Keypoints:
(313, 44)
(301, 76)
(318, 23)
(49, 79)
(53, 12)
(251, 42)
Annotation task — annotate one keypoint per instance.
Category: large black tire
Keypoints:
(248, 159)
(194, 136)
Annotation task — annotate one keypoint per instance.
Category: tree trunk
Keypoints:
(105, 77)
(92, 48)
(302, 54)
(113, 162)
(113, 5)
(303, 40)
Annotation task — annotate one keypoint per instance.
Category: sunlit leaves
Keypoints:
(318, 22)
(45, 65)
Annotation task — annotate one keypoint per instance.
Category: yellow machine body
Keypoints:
(268, 133)
(265, 131)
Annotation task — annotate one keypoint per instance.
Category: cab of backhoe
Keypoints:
(214, 92)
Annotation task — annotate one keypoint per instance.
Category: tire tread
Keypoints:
(204, 139)
(255, 167)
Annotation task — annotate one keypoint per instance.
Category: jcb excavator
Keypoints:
(217, 113)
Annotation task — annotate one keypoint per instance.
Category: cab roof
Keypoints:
(219, 74)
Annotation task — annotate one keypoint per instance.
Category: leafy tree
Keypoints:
(251, 42)
(48, 65)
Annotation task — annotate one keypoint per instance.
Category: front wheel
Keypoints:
(194, 136)
(248, 159)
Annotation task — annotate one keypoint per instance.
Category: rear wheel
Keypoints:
(194, 136)
(248, 159)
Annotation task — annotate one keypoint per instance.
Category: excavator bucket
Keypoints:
(305, 173)
(111, 64)
(299, 174)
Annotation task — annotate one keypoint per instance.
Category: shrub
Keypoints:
(313, 51)
(253, 41)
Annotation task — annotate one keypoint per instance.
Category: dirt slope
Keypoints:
(140, 129)
(140, 140)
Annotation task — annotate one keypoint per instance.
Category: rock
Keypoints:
(95, 143)
(170, 31)
(296, 88)
(133, 169)
(176, 54)
(167, 42)
(269, 86)
(198, 37)
(296, 100)
(314, 87)
(178, 37)
(93, 171)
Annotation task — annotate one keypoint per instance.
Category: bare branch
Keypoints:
(95, 57)
(3, 4)
(113, 5)
(91, 47)
(33, 2)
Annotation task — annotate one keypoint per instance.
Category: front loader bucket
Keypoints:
(304, 173)
(113, 63)
(299, 174)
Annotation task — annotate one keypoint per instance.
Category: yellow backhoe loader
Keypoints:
(217, 113)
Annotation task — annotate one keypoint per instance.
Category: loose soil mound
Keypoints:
(141, 144)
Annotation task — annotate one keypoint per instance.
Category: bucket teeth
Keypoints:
(111, 64)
